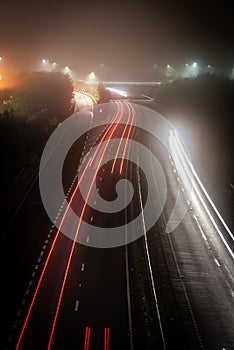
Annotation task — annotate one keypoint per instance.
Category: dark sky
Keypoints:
(126, 36)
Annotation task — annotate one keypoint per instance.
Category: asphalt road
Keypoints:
(164, 291)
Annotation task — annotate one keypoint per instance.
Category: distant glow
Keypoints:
(168, 70)
(92, 78)
(194, 64)
(0, 58)
(67, 70)
(44, 61)
(83, 99)
(118, 92)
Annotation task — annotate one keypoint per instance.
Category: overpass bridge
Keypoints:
(121, 83)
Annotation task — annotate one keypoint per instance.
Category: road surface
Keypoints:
(164, 291)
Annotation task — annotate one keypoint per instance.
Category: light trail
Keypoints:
(90, 95)
(57, 234)
(118, 92)
(76, 235)
(122, 136)
(106, 338)
(202, 187)
(46, 264)
(87, 338)
(127, 138)
(188, 168)
(83, 99)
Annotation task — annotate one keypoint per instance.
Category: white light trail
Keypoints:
(185, 168)
(116, 91)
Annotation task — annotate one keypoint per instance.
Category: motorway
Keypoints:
(165, 290)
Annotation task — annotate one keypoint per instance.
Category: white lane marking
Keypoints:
(149, 261)
(205, 238)
(87, 239)
(77, 305)
(82, 266)
(91, 219)
(94, 203)
(199, 226)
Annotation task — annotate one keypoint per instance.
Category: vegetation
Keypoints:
(103, 94)
(28, 113)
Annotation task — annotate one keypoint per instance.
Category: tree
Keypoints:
(103, 94)
(37, 92)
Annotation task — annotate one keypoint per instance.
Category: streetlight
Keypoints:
(45, 64)
(168, 70)
(92, 78)
(67, 70)
(195, 69)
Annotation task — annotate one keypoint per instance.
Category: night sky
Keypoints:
(126, 36)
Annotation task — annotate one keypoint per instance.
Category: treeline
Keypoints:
(207, 93)
(28, 114)
(207, 100)
(38, 95)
